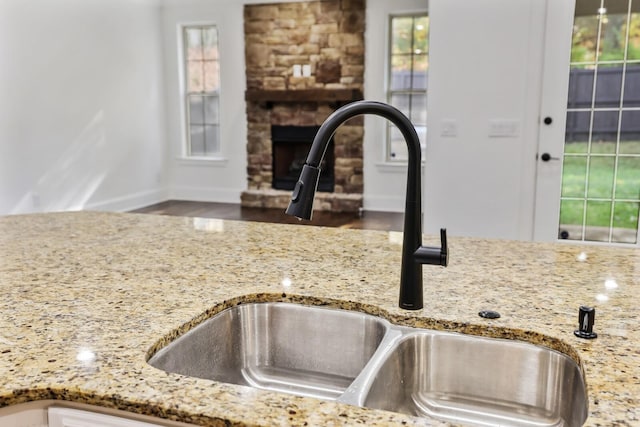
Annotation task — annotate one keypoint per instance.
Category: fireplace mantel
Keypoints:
(331, 96)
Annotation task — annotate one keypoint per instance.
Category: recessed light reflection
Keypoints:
(602, 298)
(85, 355)
(208, 224)
(286, 282)
(395, 237)
(610, 284)
(582, 257)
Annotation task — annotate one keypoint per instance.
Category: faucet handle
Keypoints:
(444, 248)
(432, 255)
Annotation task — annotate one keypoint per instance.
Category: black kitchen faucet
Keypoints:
(414, 255)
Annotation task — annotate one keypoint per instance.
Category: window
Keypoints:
(202, 86)
(600, 198)
(407, 85)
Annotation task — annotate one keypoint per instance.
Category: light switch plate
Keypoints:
(500, 128)
(449, 127)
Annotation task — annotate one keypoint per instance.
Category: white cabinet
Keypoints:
(26, 418)
(53, 414)
(65, 417)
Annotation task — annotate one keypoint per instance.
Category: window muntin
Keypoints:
(202, 88)
(407, 78)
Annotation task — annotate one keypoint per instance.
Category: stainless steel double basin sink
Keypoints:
(366, 361)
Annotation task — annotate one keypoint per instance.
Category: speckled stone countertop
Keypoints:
(86, 296)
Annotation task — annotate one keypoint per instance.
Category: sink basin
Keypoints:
(364, 360)
(478, 380)
(308, 351)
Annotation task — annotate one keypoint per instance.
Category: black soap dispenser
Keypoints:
(586, 319)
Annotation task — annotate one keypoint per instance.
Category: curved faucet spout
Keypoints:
(413, 253)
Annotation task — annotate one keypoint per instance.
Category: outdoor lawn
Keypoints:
(597, 184)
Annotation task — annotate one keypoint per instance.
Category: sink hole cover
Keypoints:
(489, 314)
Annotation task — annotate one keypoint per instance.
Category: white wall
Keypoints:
(384, 183)
(81, 108)
(223, 179)
(485, 65)
(90, 112)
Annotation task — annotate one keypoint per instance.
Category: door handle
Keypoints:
(545, 157)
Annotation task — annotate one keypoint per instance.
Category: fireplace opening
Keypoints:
(290, 146)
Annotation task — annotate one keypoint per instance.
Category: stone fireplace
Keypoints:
(326, 40)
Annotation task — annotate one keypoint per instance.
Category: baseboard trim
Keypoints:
(199, 194)
(383, 203)
(130, 201)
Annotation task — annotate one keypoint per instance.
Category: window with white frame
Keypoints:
(407, 85)
(202, 87)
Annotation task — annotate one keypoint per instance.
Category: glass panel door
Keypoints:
(600, 196)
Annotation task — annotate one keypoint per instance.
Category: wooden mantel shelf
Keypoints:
(341, 96)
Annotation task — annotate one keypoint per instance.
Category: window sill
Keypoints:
(203, 161)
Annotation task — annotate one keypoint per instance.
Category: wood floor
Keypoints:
(370, 220)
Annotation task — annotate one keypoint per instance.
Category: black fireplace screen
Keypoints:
(290, 146)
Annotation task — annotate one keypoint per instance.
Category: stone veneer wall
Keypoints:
(329, 36)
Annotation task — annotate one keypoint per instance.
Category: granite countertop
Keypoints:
(87, 295)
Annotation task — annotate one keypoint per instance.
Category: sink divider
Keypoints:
(357, 392)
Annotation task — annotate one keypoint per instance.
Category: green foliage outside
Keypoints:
(612, 42)
(410, 43)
